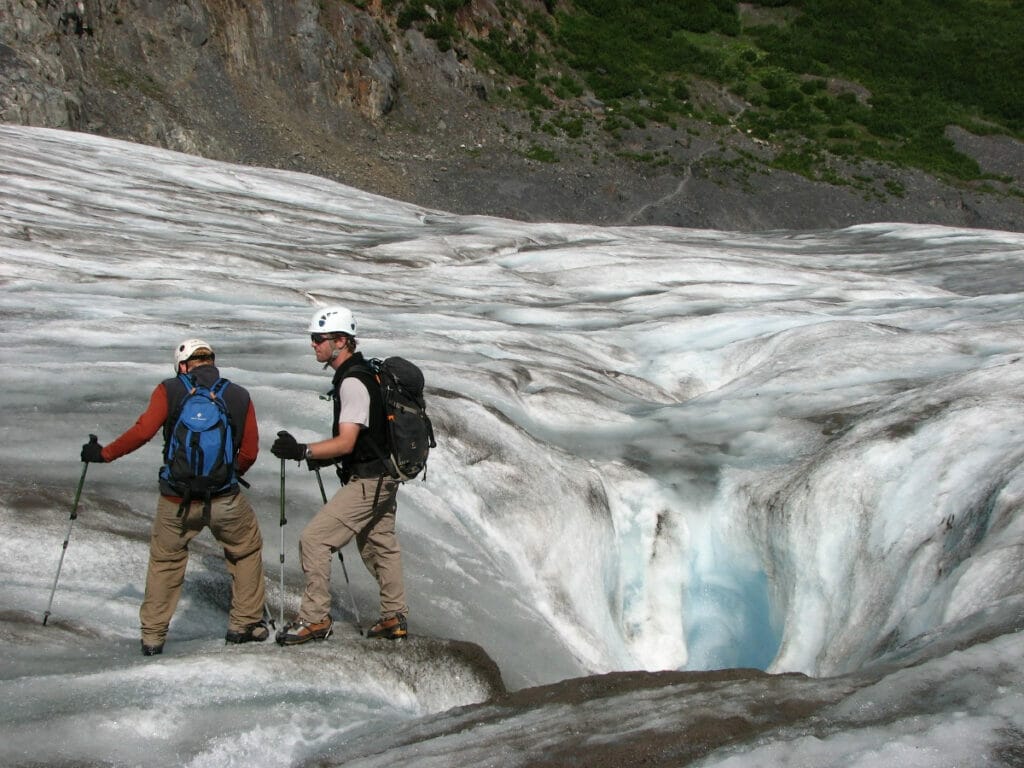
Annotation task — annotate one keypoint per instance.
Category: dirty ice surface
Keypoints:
(662, 450)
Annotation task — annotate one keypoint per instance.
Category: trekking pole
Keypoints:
(284, 522)
(344, 570)
(67, 539)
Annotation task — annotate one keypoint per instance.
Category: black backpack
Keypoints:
(409, 431)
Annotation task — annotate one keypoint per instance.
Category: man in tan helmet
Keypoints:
(192, 499)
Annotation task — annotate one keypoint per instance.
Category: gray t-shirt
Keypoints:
(355, 402)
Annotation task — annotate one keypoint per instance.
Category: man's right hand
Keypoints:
(287, 447)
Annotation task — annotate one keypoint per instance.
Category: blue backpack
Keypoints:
(199, 457)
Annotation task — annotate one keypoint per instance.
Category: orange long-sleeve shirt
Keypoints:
(152, 421)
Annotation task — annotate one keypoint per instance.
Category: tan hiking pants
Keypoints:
(351, 513)
(233, 523)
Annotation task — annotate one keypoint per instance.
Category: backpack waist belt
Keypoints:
(173, 494)
(207, 499)
(367, 469)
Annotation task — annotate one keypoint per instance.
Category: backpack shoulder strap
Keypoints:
(218, 387)
(175, 406)
(356, 369)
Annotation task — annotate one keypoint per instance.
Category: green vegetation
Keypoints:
(877, 79)
(646, 50)
(925, 65)
(436, 18)
(124, 79)
(868, 78)
(542, 154)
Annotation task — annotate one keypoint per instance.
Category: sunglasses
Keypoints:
(320, 338)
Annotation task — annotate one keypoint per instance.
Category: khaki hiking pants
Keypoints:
(350, 513)
(233, 523)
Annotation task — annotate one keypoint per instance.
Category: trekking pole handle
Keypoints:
(81, 482)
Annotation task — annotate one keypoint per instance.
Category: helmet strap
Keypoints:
(334, 355)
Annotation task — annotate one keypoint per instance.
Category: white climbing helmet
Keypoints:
(187, 348)
(333, 320)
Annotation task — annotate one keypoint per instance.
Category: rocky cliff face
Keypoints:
(340, 90)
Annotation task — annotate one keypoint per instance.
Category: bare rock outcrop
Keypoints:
(342, 90)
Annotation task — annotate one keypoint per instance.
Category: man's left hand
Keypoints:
(92, 451)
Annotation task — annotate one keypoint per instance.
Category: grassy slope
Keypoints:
(877, 79)
(925, 65)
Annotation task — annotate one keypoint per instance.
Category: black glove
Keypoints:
(92, 451)
(314, 464)
(287, 447)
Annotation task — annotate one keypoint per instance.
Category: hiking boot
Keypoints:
(152, 650)
(254, 633)
(299, 632)
(392, 628)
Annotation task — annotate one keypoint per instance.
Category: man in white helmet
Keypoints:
(365, 506)
(179, 518)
